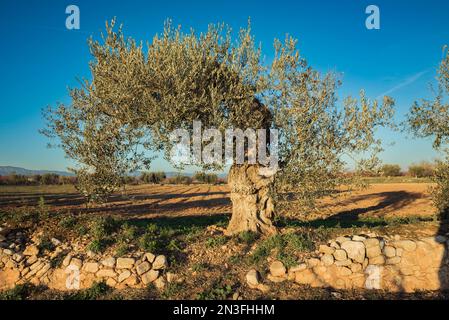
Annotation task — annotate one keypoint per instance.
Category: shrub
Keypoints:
(179, 179)
(441, 190)
(421, 170)
(102, 227)
(287, 246)
(216, 241)
(203, 177)
(153, 177)
(97, 290)
(391, 170)
(248, 237)
(219, 292)
(19, 292)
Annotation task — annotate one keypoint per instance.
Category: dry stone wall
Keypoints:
(370, 262)
(78, 269)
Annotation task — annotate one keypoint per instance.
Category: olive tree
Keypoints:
(430, 118)
(138, 94)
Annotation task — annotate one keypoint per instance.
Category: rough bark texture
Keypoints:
(252, 205)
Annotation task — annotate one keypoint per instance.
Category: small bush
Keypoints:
(391, 170)
(97, 245)
(95, 292)
(218, 293)
(68, 222)
(440, 193)
(102, 227)
(19, 292)
(45, 244)
(286, 246)
(216, 241)
(248, 237)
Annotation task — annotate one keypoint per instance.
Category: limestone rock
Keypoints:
(124, 275)
(312, 262)
(343, 263)
(355, 250)
(326, 249)
(389, 251)
(275, 279)
(373, 251)
(379, 260)
(149, 257)
(356, 267)
(407, 245)
(277, 269)
(106, 273)
(143, 267)
(299, 267)
(125, 263)
(393, 260)
(160, 262)
(76, 262)
(67, 260)
(31, 250)
(371, 242)
(340, 255)
(253, 278)
(150, 276)
(17, 257)
(327, 259)
(91, 267)
(109, 262)
(111, 282)
(32, 260)
(341, 240)
(305, 277)
(159, 283)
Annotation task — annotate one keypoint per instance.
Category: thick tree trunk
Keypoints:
(252, 205)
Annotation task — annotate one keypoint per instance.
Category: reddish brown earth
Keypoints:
(148, 201)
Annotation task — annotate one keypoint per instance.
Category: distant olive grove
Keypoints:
(143, 178)
(419, 170)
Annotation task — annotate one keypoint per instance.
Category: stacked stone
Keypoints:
(137, 270)
(372, 262)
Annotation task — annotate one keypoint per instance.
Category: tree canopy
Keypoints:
(138, 94)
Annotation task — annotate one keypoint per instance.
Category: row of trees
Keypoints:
(45, 179)
(137, 95)
(144, 178)
(420, 170)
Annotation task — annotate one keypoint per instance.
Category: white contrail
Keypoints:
(404, 83)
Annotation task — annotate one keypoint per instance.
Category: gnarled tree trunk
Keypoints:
(252, 205)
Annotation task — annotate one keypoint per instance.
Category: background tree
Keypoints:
(136, 97)
(421, 170)
(391, 170)
(430, 118)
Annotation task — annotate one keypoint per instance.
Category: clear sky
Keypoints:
(40, 58)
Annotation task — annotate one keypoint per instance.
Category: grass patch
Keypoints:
(213, 242)
(95, 292)
(217, 292)
(286, 246)
(19, 292)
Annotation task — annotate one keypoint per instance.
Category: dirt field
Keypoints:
(150, 201)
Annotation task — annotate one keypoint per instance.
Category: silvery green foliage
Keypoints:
(430, 118)
(139, 93)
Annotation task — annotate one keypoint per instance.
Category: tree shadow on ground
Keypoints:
(389, 201)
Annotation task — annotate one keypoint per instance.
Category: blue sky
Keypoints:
(40, 58)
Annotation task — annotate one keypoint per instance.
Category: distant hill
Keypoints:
(7, 170)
